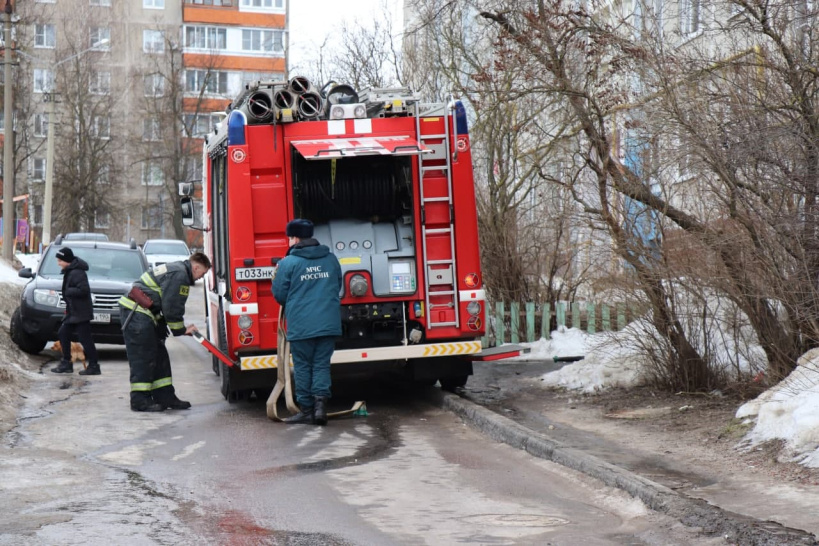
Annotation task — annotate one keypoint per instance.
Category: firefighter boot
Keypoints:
(64, 367)
(176, 403)
(320, 414)
(305, 416)
(142, 402)
(147, 406)
(92, 369)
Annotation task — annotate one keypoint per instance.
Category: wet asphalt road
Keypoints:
(81, 468)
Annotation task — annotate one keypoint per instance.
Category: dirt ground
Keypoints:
(17, 369)
(701, 429)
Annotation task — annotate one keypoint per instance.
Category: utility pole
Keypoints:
(287, 40)
(50, 99)
(9, 225)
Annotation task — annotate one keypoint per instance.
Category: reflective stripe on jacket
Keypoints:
(168, 286)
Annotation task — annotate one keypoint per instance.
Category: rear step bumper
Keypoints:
(497, 353)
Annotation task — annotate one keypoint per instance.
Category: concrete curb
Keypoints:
(735, 528)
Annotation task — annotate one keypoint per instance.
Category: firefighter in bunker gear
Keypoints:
(145, 330)
(308, 284)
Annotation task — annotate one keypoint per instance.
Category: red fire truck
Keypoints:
(387, 181)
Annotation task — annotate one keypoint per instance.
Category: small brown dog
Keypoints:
(77, 353)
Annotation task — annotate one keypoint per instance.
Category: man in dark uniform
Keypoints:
(167, 287)
(308, 284)
(79, 310)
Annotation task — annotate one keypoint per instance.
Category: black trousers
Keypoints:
(151, 378)
(82, 331)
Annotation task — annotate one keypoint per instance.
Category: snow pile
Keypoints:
(607, 362)
(28, 260)
(789, 411)
(9, 273)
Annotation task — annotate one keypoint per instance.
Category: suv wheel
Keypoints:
(27, 343)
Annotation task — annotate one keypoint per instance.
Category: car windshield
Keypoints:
(170, 247)
(103, 263)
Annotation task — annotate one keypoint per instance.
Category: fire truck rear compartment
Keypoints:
(362, 188)
(362, 210)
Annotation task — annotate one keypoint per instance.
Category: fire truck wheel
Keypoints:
(231, 395)
(453, 382)
(214, 361)
(224, 372)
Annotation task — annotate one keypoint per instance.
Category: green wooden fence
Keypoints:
(514, 325)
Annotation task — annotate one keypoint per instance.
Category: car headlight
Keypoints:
(47, 297)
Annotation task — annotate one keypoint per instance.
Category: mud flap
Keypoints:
(213, 349)
(497, 353)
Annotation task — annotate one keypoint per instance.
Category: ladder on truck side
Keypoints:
(437, 229)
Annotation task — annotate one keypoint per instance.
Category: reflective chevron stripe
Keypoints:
(376, 354)
(453, 349)
(258, 362)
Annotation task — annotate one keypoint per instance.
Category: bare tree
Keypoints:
(86, 133)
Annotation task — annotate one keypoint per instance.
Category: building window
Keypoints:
(210, 2)
(690, 17)
(253, 77)
(153, 41)
(45, 36)
(193, 169)
(206, 37)
(262, 40)
(40, 125)
(105, 3)
(102, 220)
(100, 38)
(150, 130)
(153, 4)
(211, 81)
(103, 177)
(101, 127)
(268, 4)
(197, 125)
(38, 169)
(151, 217)
(37, 215)
(154, 85)
(43, 80)
(100, 83)
(152, 174)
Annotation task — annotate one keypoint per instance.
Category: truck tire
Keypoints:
(214, 361)
(453, 382)
(224, 372)
(27, 343)
(231, 394)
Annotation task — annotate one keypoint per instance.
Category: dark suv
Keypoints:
(112, 269)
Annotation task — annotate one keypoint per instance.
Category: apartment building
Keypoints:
(136, 85)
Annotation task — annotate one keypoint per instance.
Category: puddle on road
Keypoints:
(516, 520)
(382, 443)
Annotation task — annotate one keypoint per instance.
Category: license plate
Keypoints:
(254, 273)
(102, 317)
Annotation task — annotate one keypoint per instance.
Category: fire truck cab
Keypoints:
(387, 181)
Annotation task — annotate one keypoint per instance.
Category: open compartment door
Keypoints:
(334, 148)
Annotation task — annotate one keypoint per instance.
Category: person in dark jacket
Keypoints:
(166, 287)
(79, 310)
(308, 284)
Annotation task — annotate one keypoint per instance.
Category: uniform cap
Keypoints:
(65, 254)
(301, 228)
